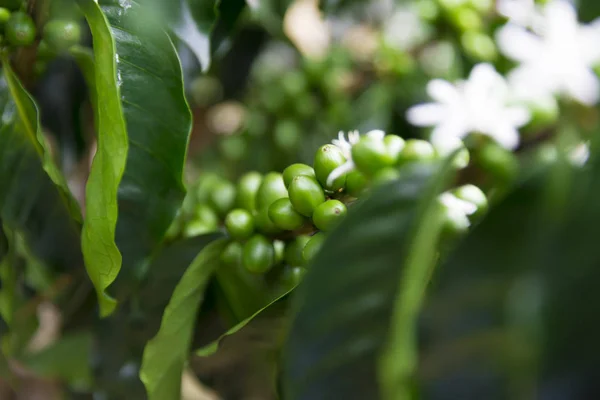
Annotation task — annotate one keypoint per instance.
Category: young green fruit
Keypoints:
(394, 145)
(222, 197)
(292, 276)
(258, 254)
(239, 224)
(306, 194)
(4, 16)
(329, 214)
(294, 170)
(20, 29)
(293, 251)
(385, 175)
(279, 247)
(197, 227)
(203, 212)
(356, 183)
(60, 35)
(264, 224)
(474, 195)
(232, 254)
(370, 155)
(272, 188)
(328, 158)
(246, 190)
(313, 246)
(497, 161)
(284, 216)
(416, 150)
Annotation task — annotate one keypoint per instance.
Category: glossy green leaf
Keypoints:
(194, 25)
(34, 198)
(67, 360)
(213, 347)
(344, 307)
(142, 117)
(166, 354)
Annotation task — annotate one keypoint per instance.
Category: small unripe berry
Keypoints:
(416, 150)
(203, 212)
(232, 254)
(247, 188)
(386, 175)
(239, 224)
(258, 254)
(204, 186)
(264, 224)
(272, 188)
(328, 158)
(394, 145)
(329, 214)
(20, 29)
(284, 216)
(370, 155)
(279, 247)
(474, 195)
(294, 170)
(356, 183)
(4, 16)
(196, 228)
(454, 223)
(222, 197)
(293, 251)
(502, 164)
(292, 276)
(60, 35)
(313, 246)
(306, 194)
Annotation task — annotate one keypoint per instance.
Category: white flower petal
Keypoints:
(517, 116)
(348, 166)
(445, 145)
(376, 134)
(483, 83)
(427, 114)
(443, 91)
(451, 128)
(456, 204)
(560, 19)
(583, 86)
(506, 136)
(589, 39)
(518, 44)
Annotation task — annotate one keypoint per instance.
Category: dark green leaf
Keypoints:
(344, 307)
(194, 25)
(142, 109)
(34, 199)
(166, 354)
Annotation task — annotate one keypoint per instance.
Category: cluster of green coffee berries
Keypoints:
(19, 29)
(283, 218)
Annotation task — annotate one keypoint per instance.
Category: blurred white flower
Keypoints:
(304, 25)
(580, 154)
(478, 105)
(404, 29)
(519, 12)
(556, 57)
(458, 209)
(346, 147)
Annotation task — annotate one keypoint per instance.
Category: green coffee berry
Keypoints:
(416, 150)
(233, 147)
(313, 246)
(247, 188)
(329, 214)
(20, 29)
(474, 195)
(454, 223)
(544, 113)
(386, 175)
(222, 197)
(287, 135)
(239, 224)
(232, 254)
(370, 155)
(197, 227)
(306, 194)
(292, 276)
(272, 188)
(258, 255)
(294, 170)
(4, 15)
(279, 247)
(497, 161)
(284, 216)
(293, 250)
(394, 145)
(356, 183)
(264, 224)
(328, 158)
(205, 185)
(204, 213)
(60, 35)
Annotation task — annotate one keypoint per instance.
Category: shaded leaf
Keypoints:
(166, 354)
(344, 307)
(34, 199)
(139, 76)
(194, 25)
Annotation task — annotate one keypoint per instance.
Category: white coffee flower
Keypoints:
(519, 12)
(478, 105)
(346, 147)
(457, 208)
(556, 57)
